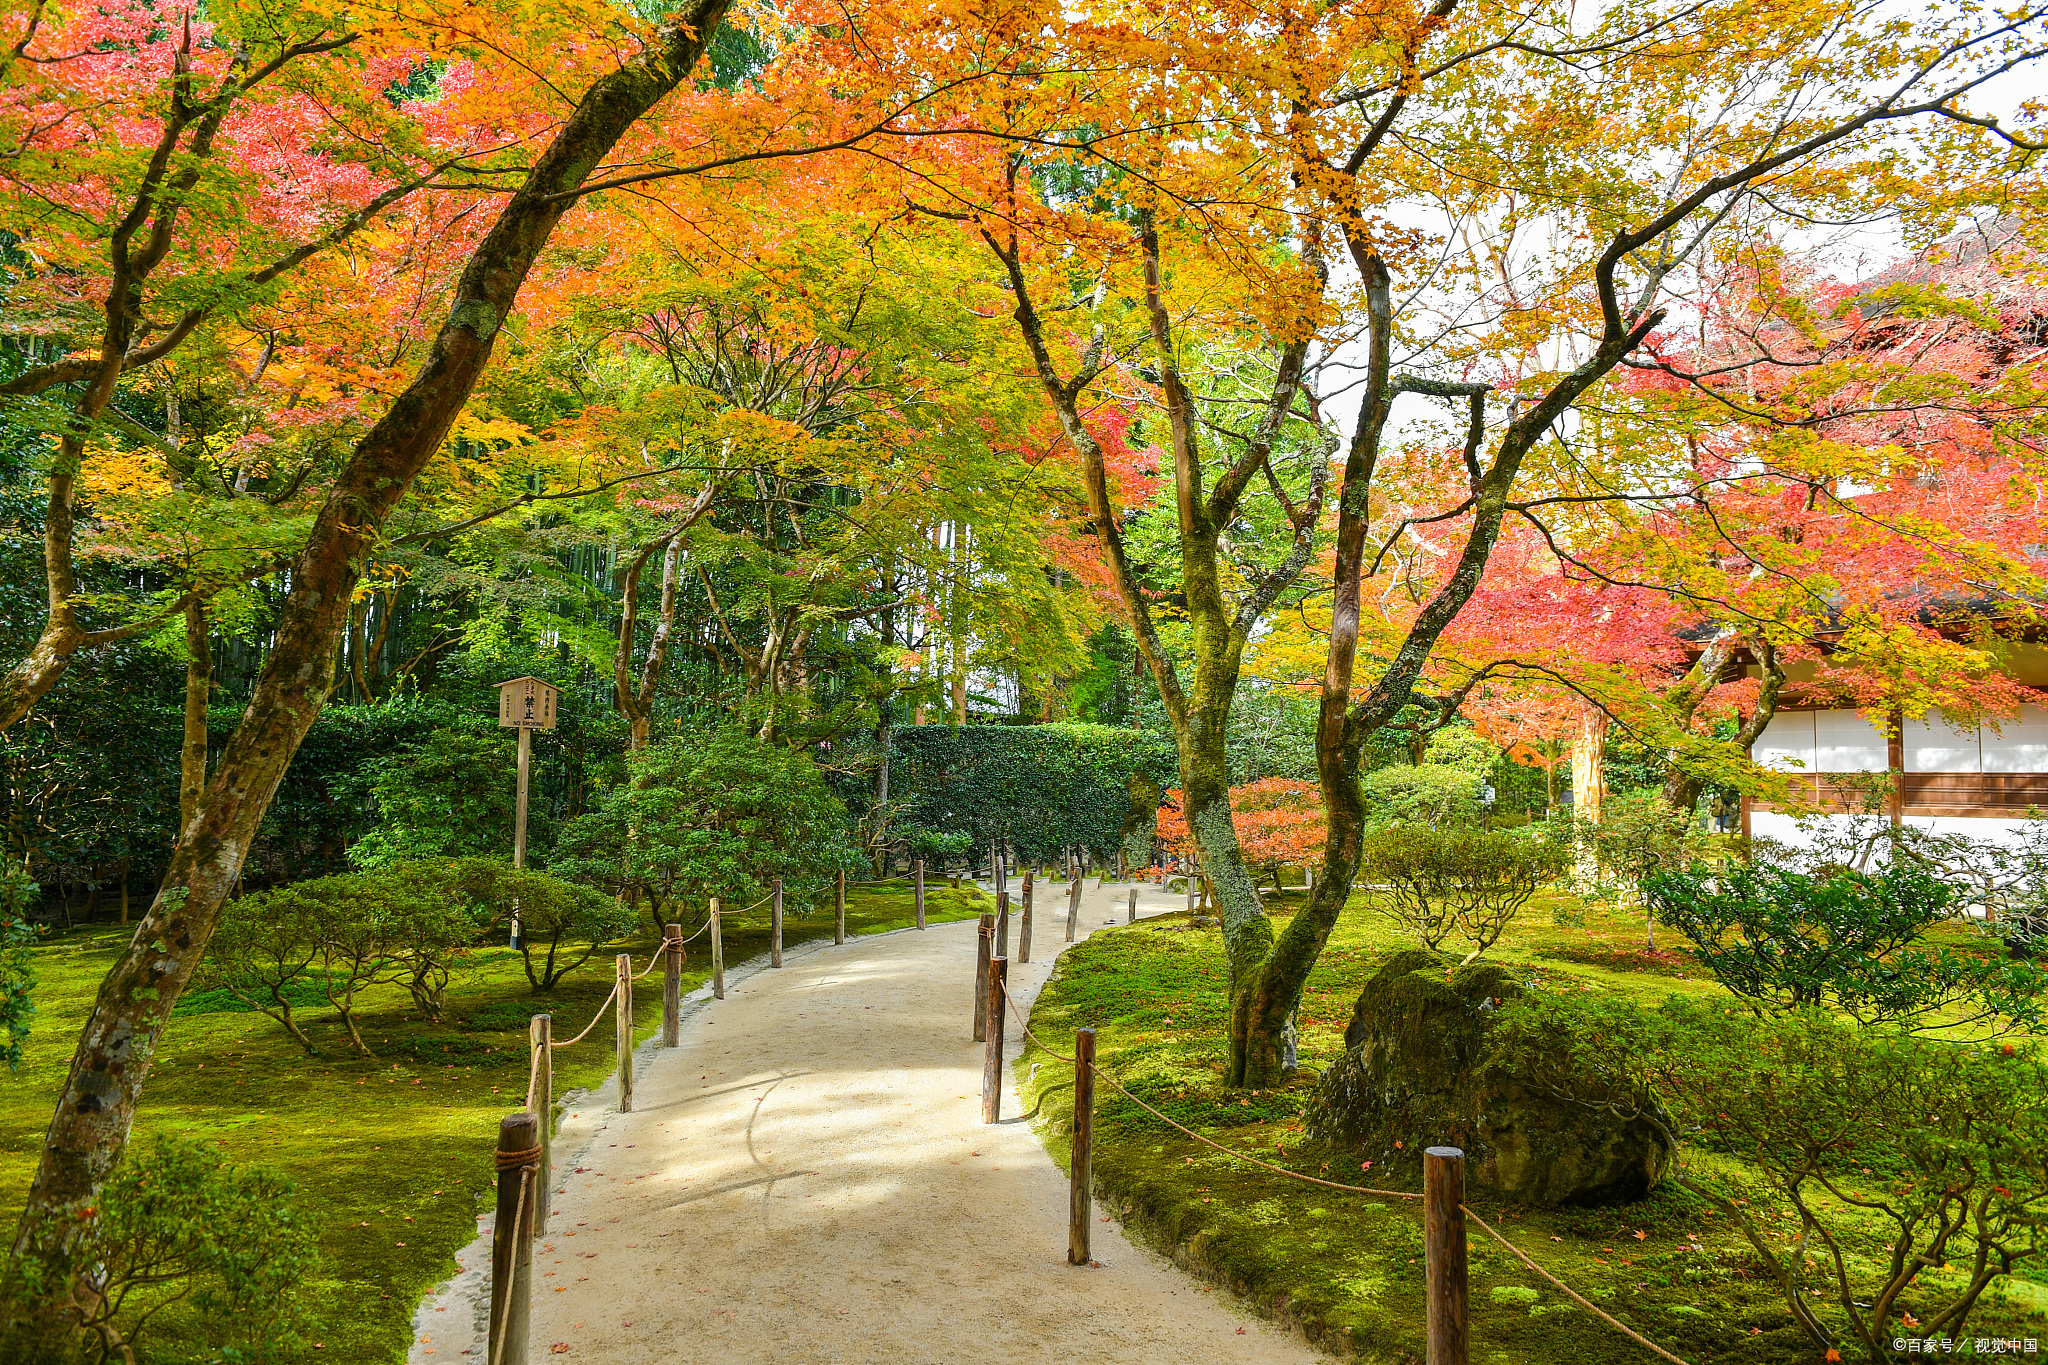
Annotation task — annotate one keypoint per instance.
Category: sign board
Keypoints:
(526, 704)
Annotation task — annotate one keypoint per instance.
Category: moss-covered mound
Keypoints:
(1418, 1072)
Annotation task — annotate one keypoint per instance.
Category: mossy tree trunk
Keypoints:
(1343, 725)
(96, 1108)
(1198, 701)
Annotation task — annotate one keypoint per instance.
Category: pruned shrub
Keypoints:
(1844, 938)
(1883, 1153)
(1868, 1156)
(342, 935)
(185, 1258)
(714, 814)
(1456, 881)
(1424, 794)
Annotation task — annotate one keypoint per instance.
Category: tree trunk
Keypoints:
(1269, 1003)
(198, 689)
(885, 732)
(1589, 765)
(89, 1130)
(1199, 707)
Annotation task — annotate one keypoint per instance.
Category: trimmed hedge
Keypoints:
(1042, 787)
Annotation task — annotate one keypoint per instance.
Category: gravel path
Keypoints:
(807, 1180)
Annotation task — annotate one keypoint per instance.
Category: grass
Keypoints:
(394, 1150)
(1348, 1268)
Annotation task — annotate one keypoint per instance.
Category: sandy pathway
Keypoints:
(806, 1179)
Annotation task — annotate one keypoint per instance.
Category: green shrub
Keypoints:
(715, 814)
(1044, 788)
(183, 1237)
(450, 795)
(1784, 939)
(341, 935)
(1423, 794)
(1460, 880)
(937, 847)
(561, 923)
(1874, 1154)
(1883, 1153)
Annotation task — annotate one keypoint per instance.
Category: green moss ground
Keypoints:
(1349, 1267)
(395, 1151)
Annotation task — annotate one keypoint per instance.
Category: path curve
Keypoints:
(806, 1181)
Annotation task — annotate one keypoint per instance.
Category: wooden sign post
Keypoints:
(525, 705)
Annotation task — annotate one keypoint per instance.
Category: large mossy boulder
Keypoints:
(1419, 1073)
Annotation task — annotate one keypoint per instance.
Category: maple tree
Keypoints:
(89, 1130)
(1596, 293)
(1279, 824)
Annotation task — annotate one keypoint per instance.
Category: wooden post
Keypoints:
(672, 985)
(775, 925)
(1190, 869)
(717, 952)
(1080, 1202)
(519, 804)
(541, 1038)
(1074, 906)
(1024, 927)
(839, 908)
(920, 892)
(625, 1025)
(512, 1241)
(985, 943)
(1002, 924)
(1443, 1231)
(1132, 917)
(992, 1054)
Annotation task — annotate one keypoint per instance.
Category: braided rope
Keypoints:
(593, 1023)
(1637, 1337)
(1228, 1151)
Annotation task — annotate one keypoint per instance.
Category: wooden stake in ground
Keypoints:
(1024, 925)
(625, 1029)
(672, 985)
(1074, 906)
(512, 1240)
(1080, 1203)
(992, 1053)
(918, 872)
(540, 1037)
(984, 950)
(717, 953)
(839, 908)
(1002, 924)
(1443, 1233)
(775, 925)
(1132, 916)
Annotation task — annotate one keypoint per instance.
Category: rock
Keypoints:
(1418, 1074)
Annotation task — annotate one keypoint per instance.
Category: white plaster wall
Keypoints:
(1935, 746)
(2018, 746)
(1786, 743)
(1847, 742)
